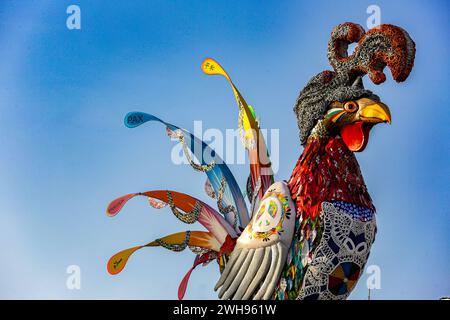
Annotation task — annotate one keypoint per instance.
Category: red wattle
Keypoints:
(356, 135)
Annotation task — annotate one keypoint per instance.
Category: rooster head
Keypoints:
(336, 102)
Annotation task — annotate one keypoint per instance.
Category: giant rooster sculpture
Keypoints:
(308, 237)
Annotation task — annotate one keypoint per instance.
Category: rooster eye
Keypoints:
(351, 106)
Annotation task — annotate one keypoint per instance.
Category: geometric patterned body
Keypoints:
(330, 254)
(340, 257)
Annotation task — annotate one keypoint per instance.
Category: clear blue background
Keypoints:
(65, 152)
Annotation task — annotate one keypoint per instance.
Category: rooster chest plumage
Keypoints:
(327, 170)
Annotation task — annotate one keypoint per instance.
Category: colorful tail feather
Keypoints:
(218, 242)
(260, 167)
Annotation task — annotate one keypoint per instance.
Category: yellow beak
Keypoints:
(374, 112)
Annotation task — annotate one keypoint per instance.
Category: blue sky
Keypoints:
(66, 153)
